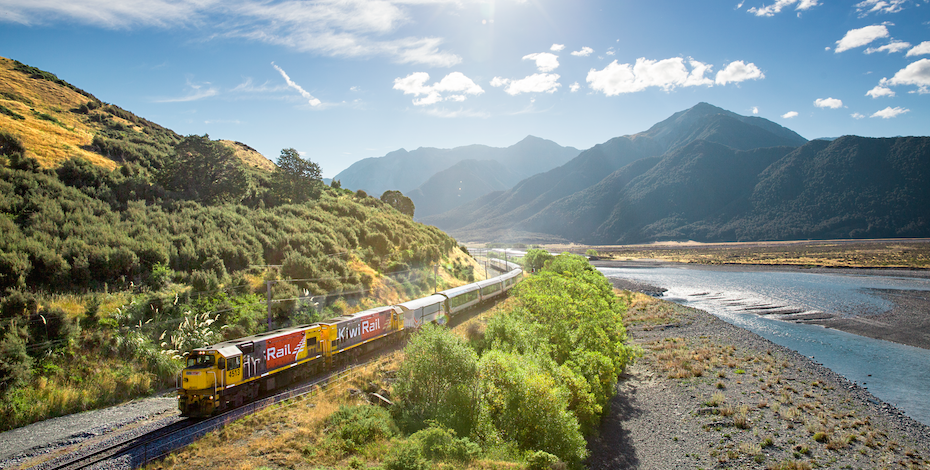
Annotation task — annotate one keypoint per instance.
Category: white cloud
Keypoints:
(666, 74)
(611, 53)
(313, 101)
(342, 28)
(557, 47)
(536, 83)
(879, 6)
(545, 61)
(790, 114)
(920, 49)
(857, 116)
(779, 5)
(574, 87)
(584, 52)
(860, 37)
(890, 112)
(248, 87)
(755, 110)
(453, 87)
(831, 103)
(738, 71)
(445, 113)
(114, 15)
(894, 46)
(879, 91)
(198, 91)
(916, 73)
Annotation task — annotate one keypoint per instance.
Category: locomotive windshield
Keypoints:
(200, 360)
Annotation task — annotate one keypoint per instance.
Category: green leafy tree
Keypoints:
(398, 201)
(206, 171)
(535, 259)
(439, 380)
(296, 180)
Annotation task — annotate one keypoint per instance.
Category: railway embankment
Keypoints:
(707, 394)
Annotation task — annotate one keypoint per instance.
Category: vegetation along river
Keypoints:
(895, 373)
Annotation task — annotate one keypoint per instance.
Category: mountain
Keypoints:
(405, 171)
(512, 214)
(852, 187)
(463, 182)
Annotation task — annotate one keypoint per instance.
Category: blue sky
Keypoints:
(342, 80)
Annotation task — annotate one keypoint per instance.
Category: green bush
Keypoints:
(15, 362)
(540, 460)
(438, 443)
(438, 381)
(359, 425)
(405, 455)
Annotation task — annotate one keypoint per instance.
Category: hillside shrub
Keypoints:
(405, 455)
(439, 443)
(438, 381)
(357, 426)
(15, 362)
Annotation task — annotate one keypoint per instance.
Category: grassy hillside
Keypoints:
(38, 108)
(131, 245)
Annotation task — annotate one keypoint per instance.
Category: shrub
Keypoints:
(161, 276)
(405, 455)
(15, 363)
(444, 391)
(438, 443)
(10, 144)
(357, 426)
(540, 460)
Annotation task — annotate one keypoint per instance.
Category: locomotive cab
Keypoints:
(208, 373)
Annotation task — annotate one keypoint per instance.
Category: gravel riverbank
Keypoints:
(707, 394)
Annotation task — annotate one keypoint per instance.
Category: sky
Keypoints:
(343, 80)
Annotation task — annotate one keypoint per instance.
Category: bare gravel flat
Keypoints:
(707, 394)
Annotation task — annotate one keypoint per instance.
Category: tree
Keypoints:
(535, 259)
(297, 180)
(398, 201)
(206, 171)
(439, 380)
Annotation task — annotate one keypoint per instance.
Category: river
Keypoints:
(895, 373)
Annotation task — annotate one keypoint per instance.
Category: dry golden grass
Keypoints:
(46, 141)
(647, 310)
(293, 435)
(288, 435)
(826, 253)
(249, 156)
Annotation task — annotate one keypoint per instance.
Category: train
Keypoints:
(229, 374)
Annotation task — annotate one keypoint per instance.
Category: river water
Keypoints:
(895, 373)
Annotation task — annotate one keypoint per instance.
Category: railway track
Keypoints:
(135, 452)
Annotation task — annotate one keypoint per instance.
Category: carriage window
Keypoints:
(235, 362)
(311, 342)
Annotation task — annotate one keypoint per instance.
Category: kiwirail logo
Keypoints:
(285, 349)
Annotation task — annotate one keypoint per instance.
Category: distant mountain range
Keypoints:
(708, 174)
(438, 180)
